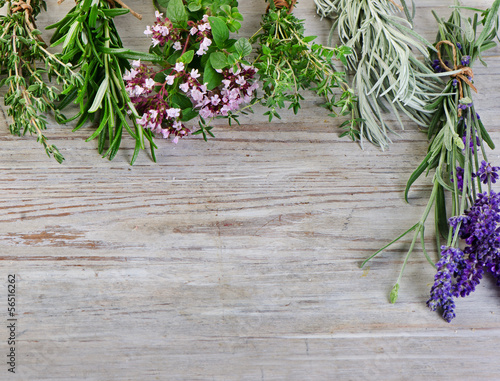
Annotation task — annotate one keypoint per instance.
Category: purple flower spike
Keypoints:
(488, 172)
(442, 290)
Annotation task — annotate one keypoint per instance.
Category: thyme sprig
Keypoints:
(457, 145)
(288, 62)
(28, 67)
(91, 42)
(388, 76)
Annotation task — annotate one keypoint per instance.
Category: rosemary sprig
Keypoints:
(288, 62)
(388, 76)
(26, 64)
(457, 144)
(91, 42)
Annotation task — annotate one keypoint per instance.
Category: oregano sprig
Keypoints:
(28, 67)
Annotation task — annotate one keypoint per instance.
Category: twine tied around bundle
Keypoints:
(465, 72)
(279, 4)
(21, 6)
(27, 9)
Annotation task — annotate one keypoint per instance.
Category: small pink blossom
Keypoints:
(184, 87)
(177, 45)
(148, 31)
(170, 79)
(149, 83)
(173, 112)
(193, 31)
(179, 66)
(136, 63)
(197, 95)
(194, 74)
(130, 75)
(215, 100)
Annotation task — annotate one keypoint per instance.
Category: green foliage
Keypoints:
(388, 76)
(25, 65)
(92, 44)
(288, 63)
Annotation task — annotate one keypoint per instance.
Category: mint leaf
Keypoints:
(176, 12)
(211, 77)
(243, 47)
(220, 31)
(218, 60)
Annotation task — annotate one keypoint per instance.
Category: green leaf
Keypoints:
(416, 174)
(266, 50)
(220, 31)
(114, 12)
(186, 57)
(490, 20)
(180, 101)
(211, 77)
(176, 12)
(309, 38)
(193, 7)
(243, 47)
(103, 88)
(218, 60)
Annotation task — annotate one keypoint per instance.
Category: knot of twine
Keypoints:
(21, 6)
(279, 4)
(464, 72)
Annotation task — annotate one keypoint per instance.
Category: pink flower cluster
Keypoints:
(153, 101)
(163, 31)
(157, 115)
(238, 88)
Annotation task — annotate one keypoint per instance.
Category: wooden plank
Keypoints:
(236, 259)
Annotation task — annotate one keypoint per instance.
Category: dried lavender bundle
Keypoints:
(388, 76)
(27, 68)
(462, 173)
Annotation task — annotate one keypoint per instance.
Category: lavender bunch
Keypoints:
(458, 156)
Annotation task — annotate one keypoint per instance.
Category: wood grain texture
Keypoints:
(236, 259)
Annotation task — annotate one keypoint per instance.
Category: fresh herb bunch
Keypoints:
(204, 72)
(458, 156)
(91, 42)
(288, 63)
(26, 64)
(388, 76)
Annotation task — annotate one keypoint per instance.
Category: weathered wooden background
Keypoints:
(236, 259)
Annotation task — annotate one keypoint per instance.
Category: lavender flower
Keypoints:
(442, 290)
(488, 173)
(465, 60)
(436, 66)
(482, 235)
(460, 178)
